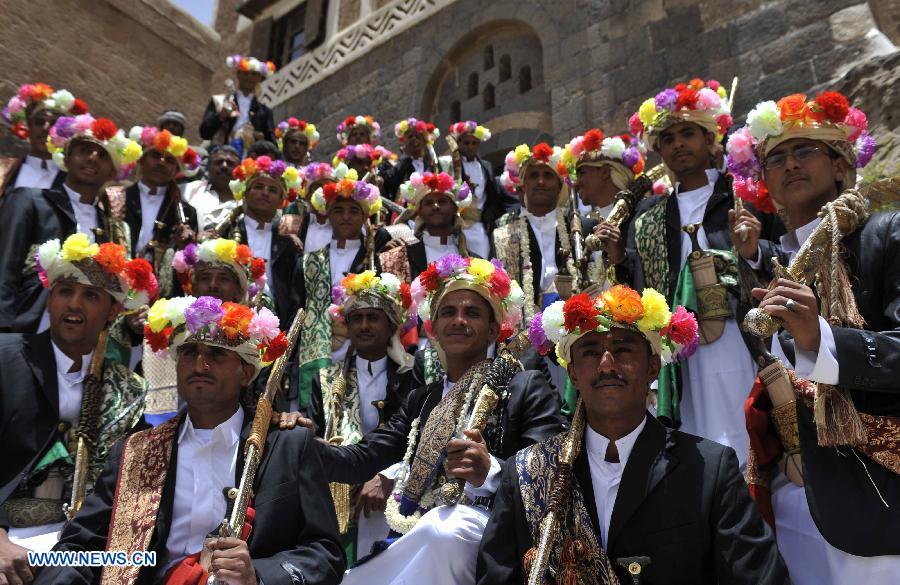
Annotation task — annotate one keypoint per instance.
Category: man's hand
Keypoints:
(289, 420)
(136, 321)
(468, 459)
(182, 235)
(392, 244)
(289, 224)
(373, 495)
(745, 230)
(231, 561)
(611, 237)
(802, 320)
(14, 569)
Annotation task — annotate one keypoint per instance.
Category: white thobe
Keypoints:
(341, 259)
(435, 250)
(243, 104)
(317, 234)
(85, 213)
(477, 241)
(203, 199)
(544, 228)
(151, 202)
(36, 173)
(259, 240)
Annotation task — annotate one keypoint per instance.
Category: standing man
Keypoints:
(636, 488)
(415, 137)
(296, 139)
(213, 192)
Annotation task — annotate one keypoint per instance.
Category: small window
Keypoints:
(488, 57)
(505, 68)
(488, 97)
(473, 85)
(524, 79)
(455, 112)
(288, 41)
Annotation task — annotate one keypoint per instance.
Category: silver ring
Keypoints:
(791, 305)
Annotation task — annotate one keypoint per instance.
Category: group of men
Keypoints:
(583, 370)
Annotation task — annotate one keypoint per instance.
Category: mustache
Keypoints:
(207, 377)
(609, 377)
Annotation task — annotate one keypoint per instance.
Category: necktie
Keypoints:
(612, 454)
(44, 165)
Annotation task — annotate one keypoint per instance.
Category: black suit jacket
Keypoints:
(30, 218)
(295, 530)
(532, 414)
(398, 387)
(681, 501)
(260, 117)
(287, 274)
(396, 175)
(166, 214)
(496, 200)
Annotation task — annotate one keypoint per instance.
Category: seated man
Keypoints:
(638, 501)
(57, 388)
(467, 304)
(164, 489)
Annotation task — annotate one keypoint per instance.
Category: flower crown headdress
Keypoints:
(106, 266)
(523, 156)
(469, 127)
(242, 63)
(421, 184)
(249, 270)
(672, 335)
(704, 103)
(383, 291)
(152, 138)
(375, 154)
(593, 146)
(249, 169)
(829, 118)
(123, 152)
(33, 96)
(252, 333)
(347, 185)
(293, 124)
(426, 129)
(344, 128)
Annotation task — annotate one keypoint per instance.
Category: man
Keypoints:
(31, 113)
(173, 121)
(296, 138)
(645, 503)
(181, 470)
(840, 338)
(684, 126)
(52, 394)
(348, 203)
(359, 129)
(467, 304)
(238, 118)
(315, 232)
(91, 151)
(415, 137)
(359, 394)
(363, 158)
(159, 220)
(438, 204)
(213, 192)
(491, 201)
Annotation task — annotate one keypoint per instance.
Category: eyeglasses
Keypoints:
(802, 153)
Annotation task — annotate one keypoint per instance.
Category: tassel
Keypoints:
(340, 493)
(837, 421)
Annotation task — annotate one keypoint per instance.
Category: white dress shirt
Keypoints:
(544, 228)
(85, 213)
(434, 249)
(259, 240)
(317, 234)
(150, 205)
(607, 475)
(691, 207)
(341, 259)
(206, 464)
(477, 240)
(203, 199)
(70, 384)
(371, 380)
(36, 173)
(475, 172)
(243, 104)
(418, 165)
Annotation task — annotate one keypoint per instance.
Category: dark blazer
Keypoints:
(30, 218)
(396, 175)
(287, 274)
(260, 117)
(14, 166)
(532, 414)
(496, 200)
(166, 214)
(398, 387)
(295, 533)
(681, 501)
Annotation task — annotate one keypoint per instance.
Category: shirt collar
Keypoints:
(712, 175)
(75, 196)
(145, 190)
(35, 163)
(252, 224)
(378, 366)
(597, 443)
(544, 222)
(435, 241)
(348, 245)
(791, 241)
(64, 362)
(228, 432)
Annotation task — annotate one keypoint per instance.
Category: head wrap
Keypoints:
(250, 169)
(290, 125)
(368, 122)
(624, 155)
(152, 138)
(250, 271)
(106, 266)
(829, 119)
(672, 335)
(519, 159)
(34, 97)
(242, 63)
(172, 116)
(375, 154)
(102, 131)
(347, 186)
(403, 128)
(252, 333)
(469, 127)
(384, 292)
(421, 184)
(703, 103)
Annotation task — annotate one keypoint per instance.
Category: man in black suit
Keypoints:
(643, 503)
(180, 471)
(465, 318)
(238, 115)
(33, 216)
(415, 137)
